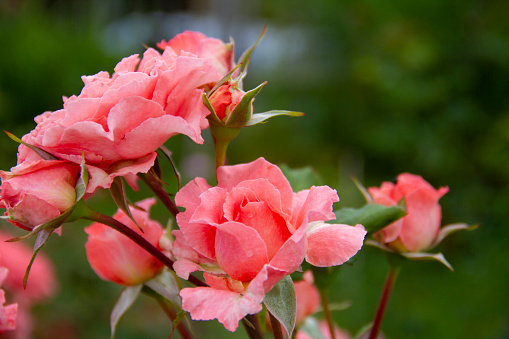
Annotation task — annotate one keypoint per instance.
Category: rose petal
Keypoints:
(333, 244)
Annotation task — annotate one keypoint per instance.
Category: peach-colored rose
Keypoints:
(214, 51)
(115, 257)
(225, 99)
(250, 231)
(419, 228)
(35, 192)
(120, 121)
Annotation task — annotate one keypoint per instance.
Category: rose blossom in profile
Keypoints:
(35, 192)
(418, 229)
(119, 121)
(250, 231)
(116, 258)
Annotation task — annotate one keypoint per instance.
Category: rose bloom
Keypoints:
(35, 192)
(8, 313)
(120, 121)
(115, 257)
(250, 231)
(418, 229)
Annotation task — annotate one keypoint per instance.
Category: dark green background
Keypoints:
(387, 87)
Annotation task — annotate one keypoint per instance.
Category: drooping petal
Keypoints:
(205, 303)
(333, 244)
(314, 204)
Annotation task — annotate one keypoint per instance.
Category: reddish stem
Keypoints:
(384, 299)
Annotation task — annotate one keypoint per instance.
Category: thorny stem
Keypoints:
(158, 189)
(138, 239)
(324, 296)
(276, 327)
(384, 299)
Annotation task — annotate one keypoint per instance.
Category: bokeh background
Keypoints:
(387, 87)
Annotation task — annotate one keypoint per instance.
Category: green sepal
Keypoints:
(82, 183)
(452, 228)
(372, 216)
(165, 284)
(246, 56)
(42, 153)
(168, 155)
(363, 190)
(213, 118)
(42, 237)
(259, 118)
(118, 193)
(301, 178)
(221, 82)
(415, 256)
(243, 112)
(124, 302)
(180, 315)
(281, 302)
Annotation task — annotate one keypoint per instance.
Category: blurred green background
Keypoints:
(387, 87)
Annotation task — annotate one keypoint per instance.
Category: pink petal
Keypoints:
(422, 223)
(230, 176)
(333, 244)
(291, 254)
(210, 211)
(240, 251)
(204, 303)
(314, 204)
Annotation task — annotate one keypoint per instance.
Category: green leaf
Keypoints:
(281, 302)
(124, 302)
(244, 110)
(372, 216)
(259, 118)
(301, 178)
(42, 153)
(312, 328)
(176, 322)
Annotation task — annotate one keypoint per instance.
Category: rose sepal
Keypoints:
(415, 256)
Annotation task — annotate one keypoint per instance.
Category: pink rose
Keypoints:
(250, 231)
(120, 121)
(419, 228)
(215, 52)
(35, 192)
(115, 257)
(8, 313)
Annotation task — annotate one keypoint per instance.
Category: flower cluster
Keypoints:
(247, 234)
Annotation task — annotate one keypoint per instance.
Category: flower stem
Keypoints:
(384, 299)
(252, 327)
(276, 327)
(138, 239)
(158, 190)
(324, 296)
(170, 312)
(221, 148)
